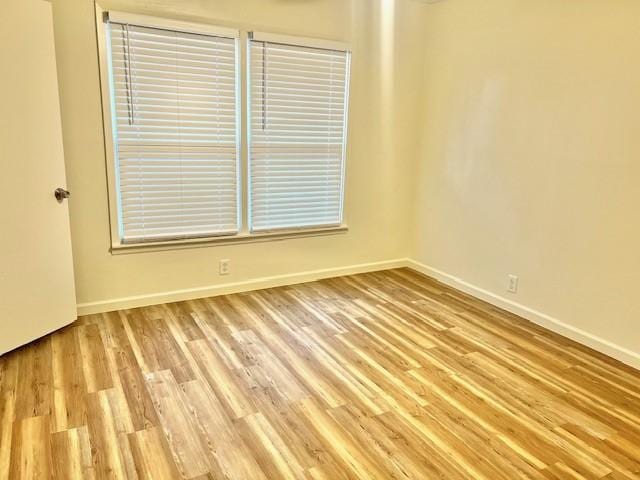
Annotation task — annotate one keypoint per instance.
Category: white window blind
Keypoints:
(298, 117)
(174, 108)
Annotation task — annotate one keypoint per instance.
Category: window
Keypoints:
(171, 98)
(298, 124)
(174, 116)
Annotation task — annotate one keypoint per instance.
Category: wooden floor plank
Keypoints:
(34, 384)
(31, 450)
(108, 457)
(7, 416)
(71, 453)
(385, 375)
(152, 456)
(184, 442)
(69, 385)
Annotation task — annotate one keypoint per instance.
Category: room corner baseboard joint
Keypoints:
(555, 325)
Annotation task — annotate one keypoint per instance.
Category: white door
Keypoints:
(37, 293)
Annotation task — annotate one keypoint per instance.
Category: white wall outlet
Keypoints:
(513, 284)
(225, 267)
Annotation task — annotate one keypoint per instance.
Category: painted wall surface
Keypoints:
(530, 161)
(382, 138)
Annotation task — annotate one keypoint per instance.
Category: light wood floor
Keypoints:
(386, 375)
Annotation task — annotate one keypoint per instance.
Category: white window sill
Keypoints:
(244, 237)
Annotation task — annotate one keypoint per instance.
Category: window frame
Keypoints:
(243, 35)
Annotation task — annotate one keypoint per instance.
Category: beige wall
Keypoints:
(377, 164)
(530, 160)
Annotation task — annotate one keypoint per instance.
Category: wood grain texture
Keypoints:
(386, 375)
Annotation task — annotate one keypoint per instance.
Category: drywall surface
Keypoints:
(530, 157)
(383, 135)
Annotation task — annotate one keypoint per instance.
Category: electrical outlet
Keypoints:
(513, 284)
(224, 267)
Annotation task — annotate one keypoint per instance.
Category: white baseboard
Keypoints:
(599, 344)
(233, 287)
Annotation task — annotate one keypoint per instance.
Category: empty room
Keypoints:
(320, 239)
